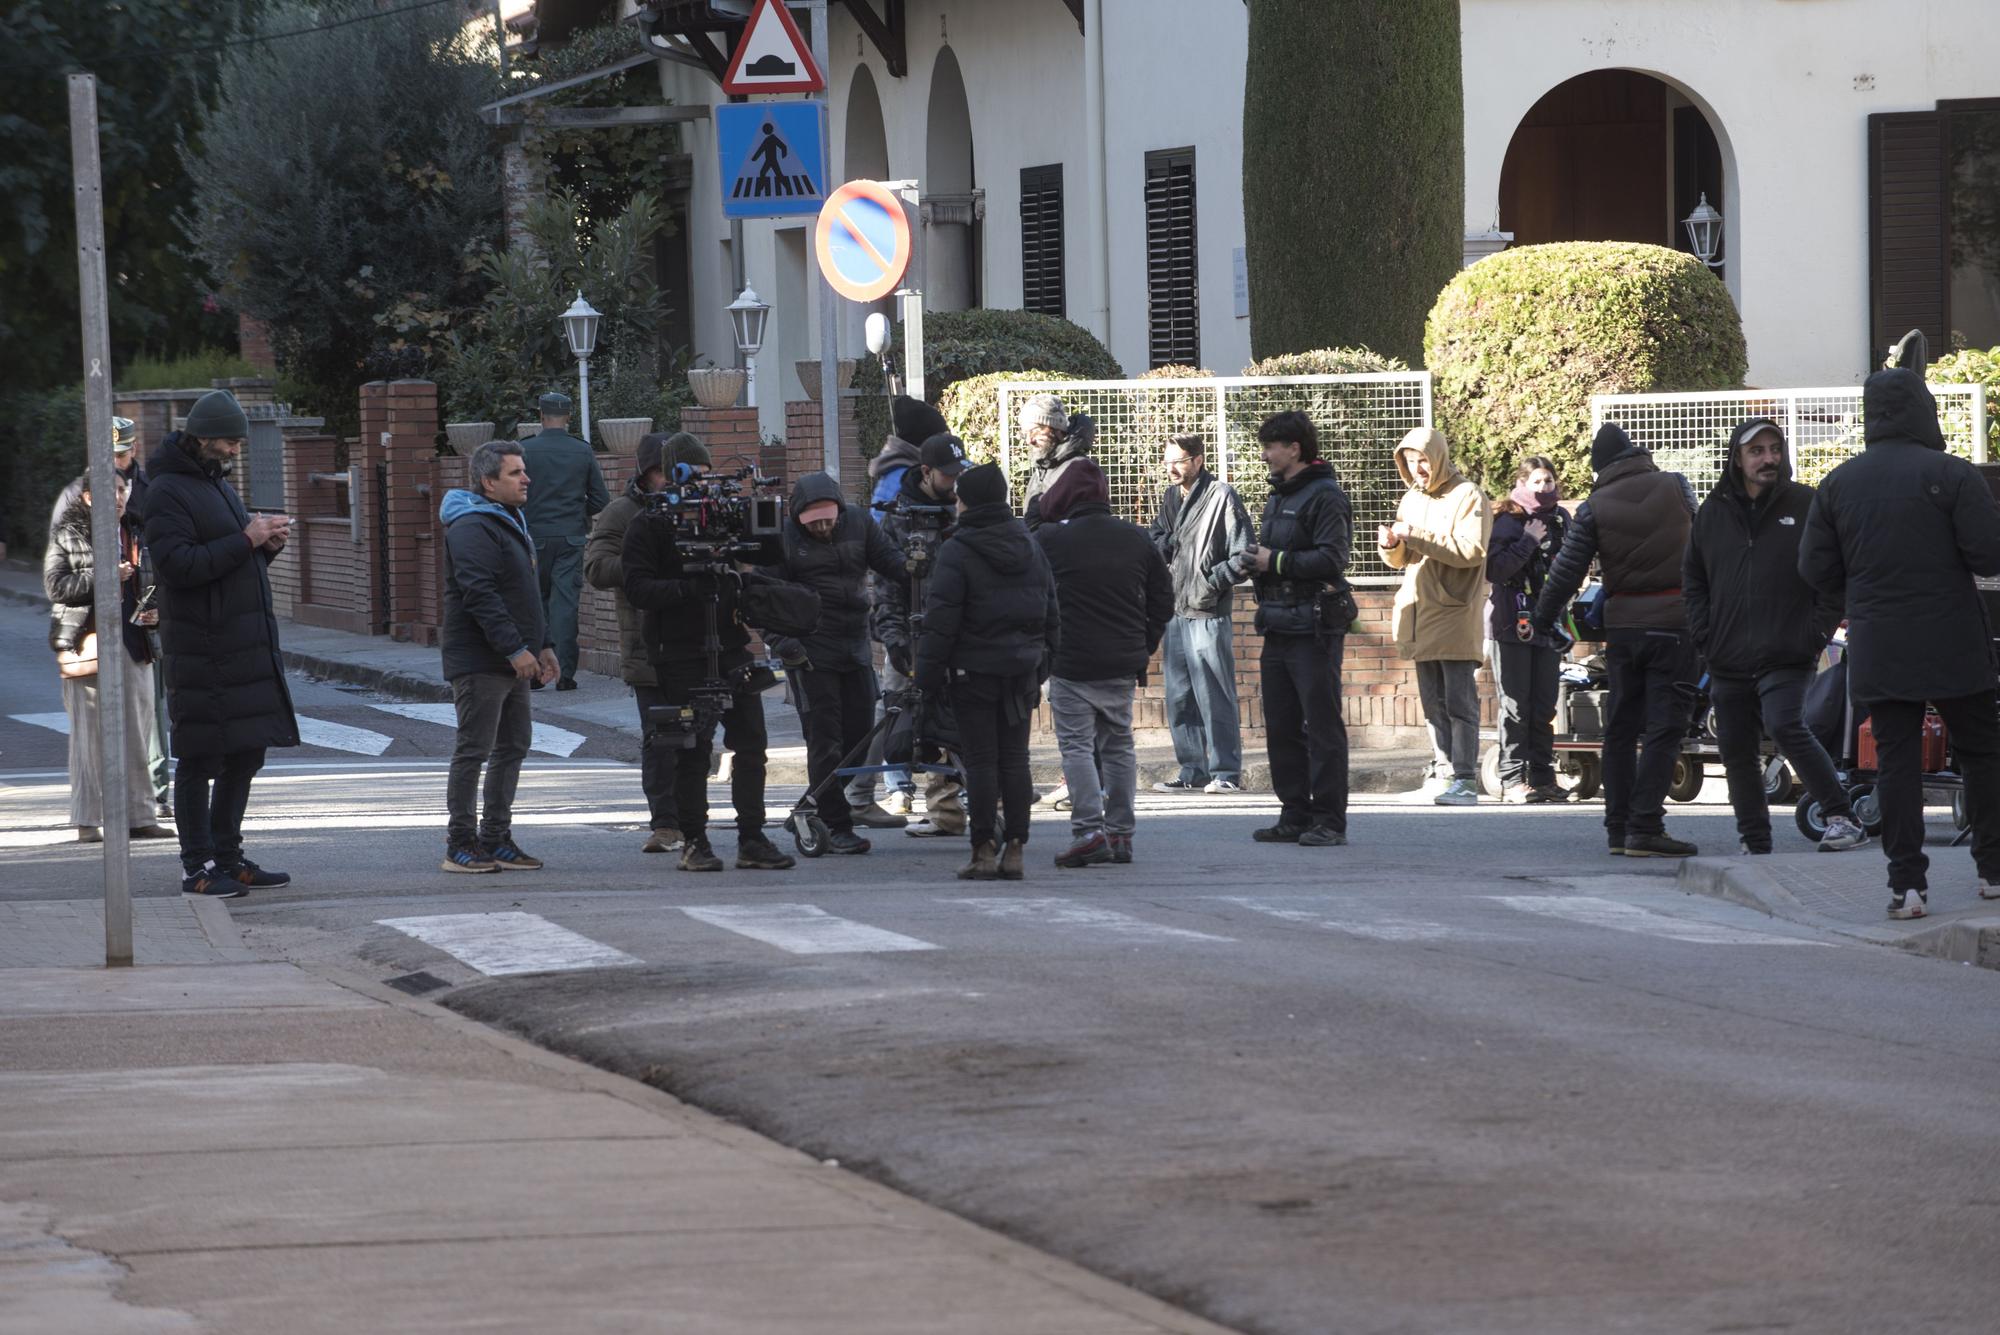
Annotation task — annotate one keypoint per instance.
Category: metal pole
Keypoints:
(106, 548)
(583, 394)
(749, 379)
(500, 33)
(912, 294)
(829, 312)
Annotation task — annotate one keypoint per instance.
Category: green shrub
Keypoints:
(971, 408)
(1971, 366)
(193, 371)
(1518, 343)
(1326, 361)
(45, 450)
(960, 344)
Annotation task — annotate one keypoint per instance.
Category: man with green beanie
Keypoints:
(568, 492)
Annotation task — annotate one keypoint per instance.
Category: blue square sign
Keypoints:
(772, 166)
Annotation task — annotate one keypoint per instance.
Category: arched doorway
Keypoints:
(866, 143)
(1614, 155)
(952, 206)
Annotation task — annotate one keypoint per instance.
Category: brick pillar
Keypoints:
(730, 433)
(597, 618)
(253, 340)
(805, 446)
(291, 573)
(400, 418)
(249, 388)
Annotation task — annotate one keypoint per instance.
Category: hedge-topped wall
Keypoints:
(1353, 171)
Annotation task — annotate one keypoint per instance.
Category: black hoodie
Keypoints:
(1901, 529)
(1747, 607)
(837, 570)
(991, 605)
(1115, 592)
(1309, 523)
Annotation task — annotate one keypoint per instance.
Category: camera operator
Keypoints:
(915, 523)
(674, 599)
(830, 546)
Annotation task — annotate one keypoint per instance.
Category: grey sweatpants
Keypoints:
(495, 726)
(1450, 698)
(1094, 732)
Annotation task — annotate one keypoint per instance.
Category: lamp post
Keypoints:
(1704, 227)
(580, 331)
(749, 316)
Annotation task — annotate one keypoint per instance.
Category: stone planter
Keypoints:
(523, 430)
(809, 376)
(621, 434)
(465, 437)
(716, 386)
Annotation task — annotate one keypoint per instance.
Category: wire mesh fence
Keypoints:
(1359, 418)
(1689, 433)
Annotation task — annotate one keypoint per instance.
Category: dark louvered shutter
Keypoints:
(1908, 259)
(1042, 240)
(1174, 310)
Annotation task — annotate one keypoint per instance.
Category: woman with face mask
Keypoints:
(1528, 526)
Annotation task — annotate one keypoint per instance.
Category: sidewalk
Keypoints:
(241, 1148)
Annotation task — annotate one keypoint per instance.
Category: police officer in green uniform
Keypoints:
(565, 492)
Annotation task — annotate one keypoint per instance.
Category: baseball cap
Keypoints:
(945, 453)
(820, 510)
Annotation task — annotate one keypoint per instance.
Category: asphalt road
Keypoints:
(1467, 1074)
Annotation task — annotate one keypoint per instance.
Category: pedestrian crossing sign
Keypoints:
(772, 166)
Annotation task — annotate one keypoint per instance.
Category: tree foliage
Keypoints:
(1353, 171)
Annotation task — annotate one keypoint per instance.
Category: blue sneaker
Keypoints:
(507, 856)
(254, 876)
(469, 858)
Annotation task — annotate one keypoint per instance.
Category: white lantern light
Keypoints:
(580, 328)
(1704, 228)
(749, 316)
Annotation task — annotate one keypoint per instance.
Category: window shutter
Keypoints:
(1174, 333)
(1042, 240)
(1908, 258)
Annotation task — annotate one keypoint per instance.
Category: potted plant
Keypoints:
(716, 386)
(621, 434)
(462, 438)
(809, 375)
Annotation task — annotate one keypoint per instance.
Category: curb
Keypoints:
(389, 681)
(1973, 940)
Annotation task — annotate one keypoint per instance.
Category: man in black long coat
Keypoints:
(226, 692)
(1900, 531)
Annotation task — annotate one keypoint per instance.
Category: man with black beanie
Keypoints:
(991, 626)
(1635, 526)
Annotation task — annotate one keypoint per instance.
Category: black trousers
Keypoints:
(1304, 732)
(211, 820)
(742, 732)
(656, 765)
(1974, 725)
(1773, 703)
(836, 708)
(1527, 675)
(993, 746)
(1652, 694)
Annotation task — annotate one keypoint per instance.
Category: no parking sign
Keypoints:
(863, 240)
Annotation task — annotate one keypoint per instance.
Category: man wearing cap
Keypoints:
(830, 546)
(568, 491)
(604, 567)
(226, 691)
(1056, 441)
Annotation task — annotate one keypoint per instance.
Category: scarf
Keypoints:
(1534, 502)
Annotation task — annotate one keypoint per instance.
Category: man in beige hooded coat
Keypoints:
(1439, 543)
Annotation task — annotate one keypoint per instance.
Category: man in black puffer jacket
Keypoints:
(830, 546)
(991, 627)
(1116, 600)
(226, 692)
(1760, 628)
(1899, 532)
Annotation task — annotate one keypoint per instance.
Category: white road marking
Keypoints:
(339, 737)
(548, 739)
(507, 943)
(1619, 917)
(1314, 914)
(1071, 913)
(802, 929)
(58, 722)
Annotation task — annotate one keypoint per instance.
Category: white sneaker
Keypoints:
(1842, 833)
(1989, 889)
(1057, 797)
(1908, 903)
(1459, 793)
(924, 829)
(897, 803)
(1223, 786)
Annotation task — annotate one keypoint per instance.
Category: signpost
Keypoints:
(772, 162)
(865, 240)
(772, 56)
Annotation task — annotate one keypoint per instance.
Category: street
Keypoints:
(1466, 1074)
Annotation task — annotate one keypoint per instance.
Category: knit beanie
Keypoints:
(914, 420)
(652, 451)
(217, 415)
(684, 447)
(982, 485)
(1043, 410)
(1609, 446)
(1080, 483)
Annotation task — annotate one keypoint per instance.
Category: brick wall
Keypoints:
(253, 339)
(597, 621)
(730, 434)
(400, 419)
(805, 446)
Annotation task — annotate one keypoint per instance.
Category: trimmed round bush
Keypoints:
(1973, 366)
(1518, 343)
(958, 344)
(1326, 361)
(971, 408)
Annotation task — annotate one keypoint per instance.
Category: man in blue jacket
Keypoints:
(495, 643)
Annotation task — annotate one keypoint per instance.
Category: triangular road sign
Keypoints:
(772, 57)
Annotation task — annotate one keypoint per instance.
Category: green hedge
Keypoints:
(971, 408)
(1972, 366)
(45, 450)
(1353, 170)
(1518, 343)
(1327, 361)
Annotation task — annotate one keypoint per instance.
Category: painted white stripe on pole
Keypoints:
(548, 739)
(507, 943)
(802, 929)
(1071, 913)
(53, 722)
(1619, 917)
(339, 737)
(1377, 929)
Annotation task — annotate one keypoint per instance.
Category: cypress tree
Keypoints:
(1353, 171)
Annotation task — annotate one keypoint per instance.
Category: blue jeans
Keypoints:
(1199, 674)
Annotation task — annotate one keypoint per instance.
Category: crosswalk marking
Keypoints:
(509, 943)
(548, 739)
(1312, 914)
(802, 929)
(1620, 917)
(1070, 913)
(339, 737)
(57, 722)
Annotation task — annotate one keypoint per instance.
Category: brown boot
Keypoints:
(1010, 861)
(983, 867)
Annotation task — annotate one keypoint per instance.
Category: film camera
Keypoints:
(719, 517)
(929, 525)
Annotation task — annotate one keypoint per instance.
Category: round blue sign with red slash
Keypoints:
(863, 240)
